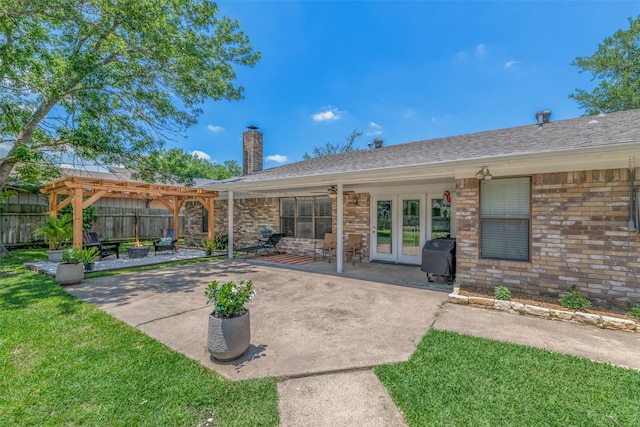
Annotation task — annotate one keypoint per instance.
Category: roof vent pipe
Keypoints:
(377, 142)
(542, 117)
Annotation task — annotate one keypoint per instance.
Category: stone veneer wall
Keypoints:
(193, 235)
(250, 215)
(579, 236)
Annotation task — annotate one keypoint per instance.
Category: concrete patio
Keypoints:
(302, 322)
(320, 333)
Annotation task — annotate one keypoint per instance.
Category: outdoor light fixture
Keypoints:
(484, 173)
(333, 192)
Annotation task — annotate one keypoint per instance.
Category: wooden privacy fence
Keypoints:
(19, 221)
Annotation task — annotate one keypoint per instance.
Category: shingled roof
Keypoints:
(580, 134)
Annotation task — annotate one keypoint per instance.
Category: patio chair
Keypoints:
(329, 245)
(354, 247)
(90, 239)
(166, 242)
(265, 245)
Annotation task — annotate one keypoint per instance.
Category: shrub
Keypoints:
(502, 293)
(72, 256)
(635, 312)
(91, 254)
(572, 299)
(229, 298)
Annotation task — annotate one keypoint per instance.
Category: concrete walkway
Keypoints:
(321, 334)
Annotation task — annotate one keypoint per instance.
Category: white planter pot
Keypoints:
(55, 255)
(228, 339)
(69, 274)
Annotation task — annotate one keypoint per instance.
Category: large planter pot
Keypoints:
(55, 255)
(228, 339)
(69, 274)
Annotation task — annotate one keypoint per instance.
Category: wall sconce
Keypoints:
(484, 173)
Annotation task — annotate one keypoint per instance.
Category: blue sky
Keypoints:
(401, 71)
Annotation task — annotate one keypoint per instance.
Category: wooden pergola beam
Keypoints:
(76, 188)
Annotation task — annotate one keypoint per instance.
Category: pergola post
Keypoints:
(76, 204)
(53, 212)
(210, 219)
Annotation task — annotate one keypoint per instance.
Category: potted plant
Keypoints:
(57, 231)
(229, 331)
(70, 270)
(89, 255)
(218, 243)
(209, 246)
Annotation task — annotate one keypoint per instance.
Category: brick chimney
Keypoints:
(251, 150)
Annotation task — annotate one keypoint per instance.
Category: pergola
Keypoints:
(74, 189)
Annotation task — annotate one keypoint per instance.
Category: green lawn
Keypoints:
(457, 380)
(64, 362)
(409, 238)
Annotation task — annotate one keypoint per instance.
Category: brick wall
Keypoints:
(579, 236)
(250, 215)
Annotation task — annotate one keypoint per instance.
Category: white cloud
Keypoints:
(409, 113)
(200, 154)
(481, 50)
(462, 56)
(374, 129)
(326, 116)
(441, 118)
(278, 158)
(215, 129)
(510, 64)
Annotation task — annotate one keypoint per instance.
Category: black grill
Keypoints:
(439, 258)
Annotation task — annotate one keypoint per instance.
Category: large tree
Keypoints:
(176, 166)
(108, 80)
(616, 65)
(330, 148)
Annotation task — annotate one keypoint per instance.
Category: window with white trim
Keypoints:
(306, 217)
(505, 218)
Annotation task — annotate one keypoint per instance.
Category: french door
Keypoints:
(397, 230)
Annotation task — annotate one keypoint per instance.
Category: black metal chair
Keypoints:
(90, 239)
(166, 242)
(265, 245)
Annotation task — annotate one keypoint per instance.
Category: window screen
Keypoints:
(505, 217)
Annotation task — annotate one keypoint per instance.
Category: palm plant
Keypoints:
(56, 230)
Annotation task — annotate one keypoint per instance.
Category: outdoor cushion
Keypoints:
(165, 241)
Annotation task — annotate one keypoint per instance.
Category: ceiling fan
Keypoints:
(332, 191)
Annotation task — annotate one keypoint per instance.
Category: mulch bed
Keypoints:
(551, 304)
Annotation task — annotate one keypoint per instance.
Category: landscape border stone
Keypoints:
(603, 322)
